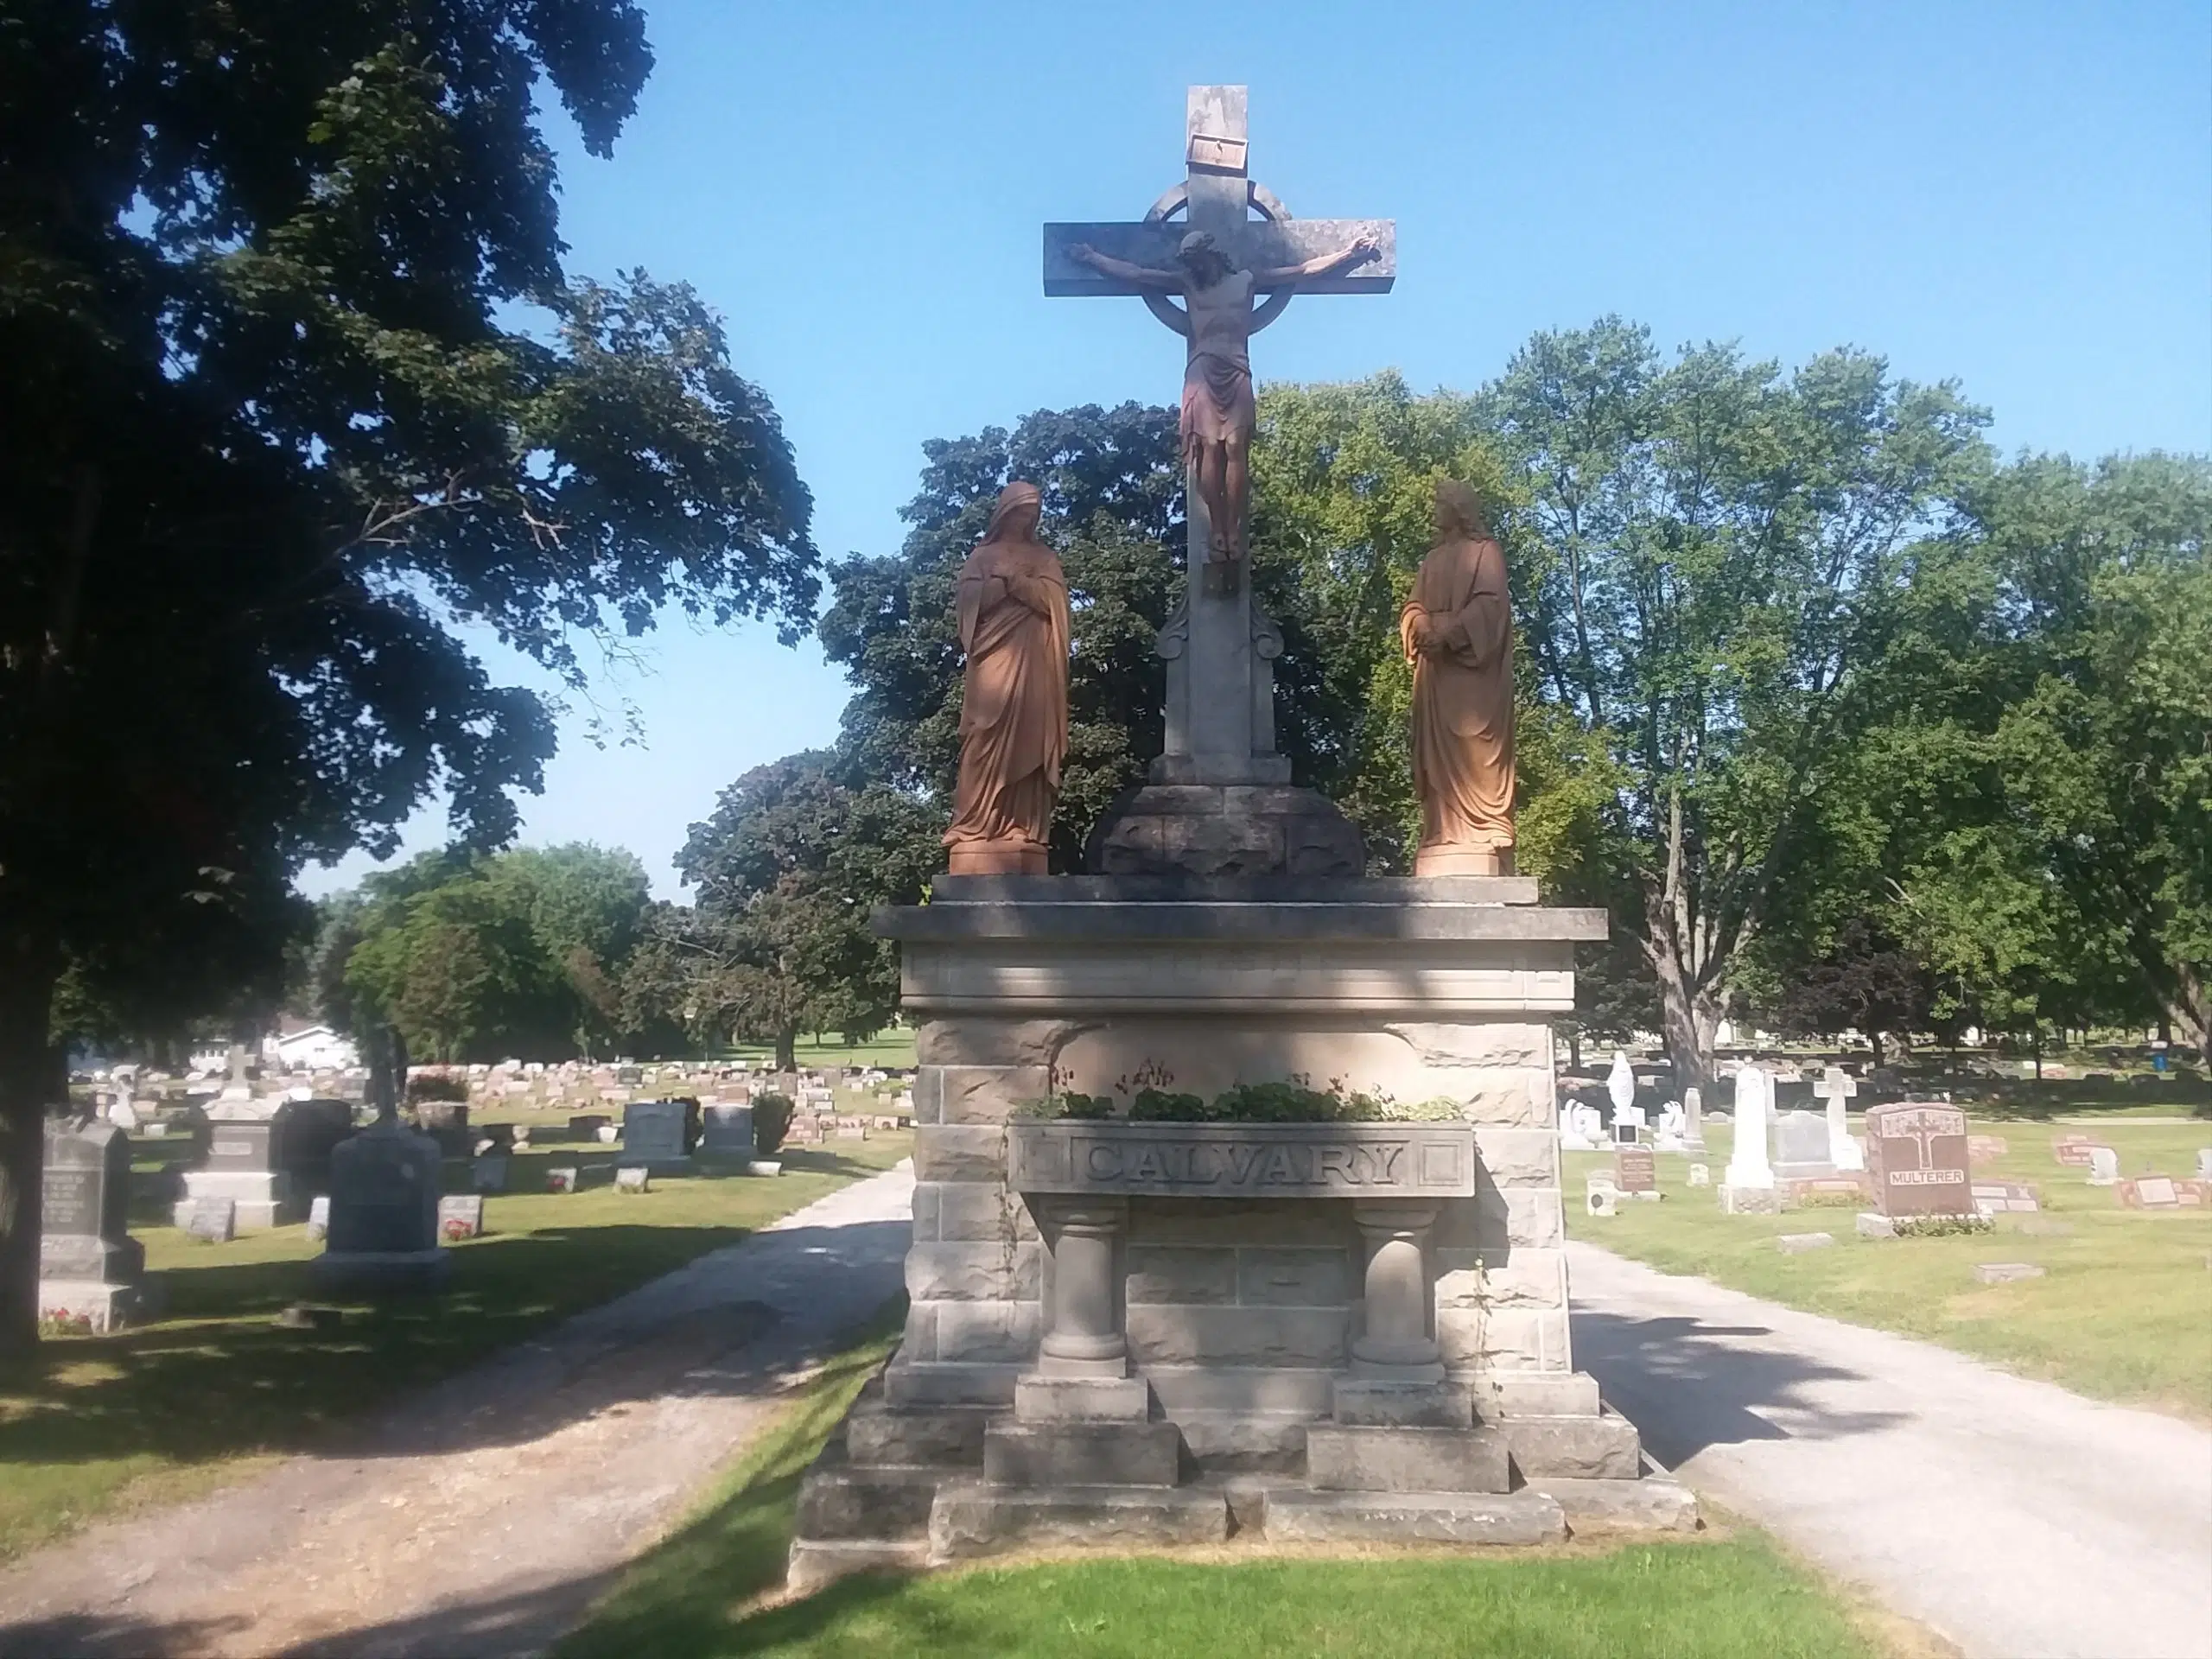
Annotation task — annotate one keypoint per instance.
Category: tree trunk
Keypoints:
(787, 1049)
(1688, 1018)
(27, 1065)
(2189, 1005)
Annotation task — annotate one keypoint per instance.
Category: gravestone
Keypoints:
(1747, 1185)
(1837, 1086)
(247, 1162)
(460, 1215)
(318, 1217)
(2204, 1163)
(90, 1270)
(1602, 1201)
(565, 1178)
(2072, 1150)
(1700, 1175)
(212, 1221)
(1985, 1148)
(445, 1122)
(1801, 1147)
(586, 1126)
(2005, 1273)
(1693, 1121)
(728, 1127)
(634, 1177)
(1635, 1170)
(653, 1133)
(1916, 1154)
(384, 1213)
(489, 1174)
(2104, 1166)
(2162, 1193)
(312, 1128)
(1996, 1197)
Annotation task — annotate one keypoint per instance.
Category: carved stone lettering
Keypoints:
(1245, 1160)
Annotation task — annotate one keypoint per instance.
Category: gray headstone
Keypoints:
(383, 1193)
(212, 1221)
(489, 1174)
(635, 1179)
(85, 1206)
(653, 1131)
(1801, 1138)
(728, 1130)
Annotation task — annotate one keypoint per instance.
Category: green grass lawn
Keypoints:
(703, 1592)
(2124, 1311)
(172, 1408)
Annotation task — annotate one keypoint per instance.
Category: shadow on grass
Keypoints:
(1686, 1389)
(214, 1380)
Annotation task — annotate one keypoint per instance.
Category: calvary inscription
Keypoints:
(1275, 1160)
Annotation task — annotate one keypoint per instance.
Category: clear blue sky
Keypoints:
(2016, 195)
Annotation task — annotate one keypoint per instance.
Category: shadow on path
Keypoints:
(1687, 1385)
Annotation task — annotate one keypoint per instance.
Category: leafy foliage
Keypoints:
(296, 383)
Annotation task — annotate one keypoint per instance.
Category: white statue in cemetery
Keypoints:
(1668, 1136)
(1747, 1161)
(1620, 1083)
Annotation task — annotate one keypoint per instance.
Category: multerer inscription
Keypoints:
(1278, 1161)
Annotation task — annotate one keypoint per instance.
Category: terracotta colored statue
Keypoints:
(1458, 632)
(1014, 714)
(1218, 413)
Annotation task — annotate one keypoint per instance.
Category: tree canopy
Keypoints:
(297, 383)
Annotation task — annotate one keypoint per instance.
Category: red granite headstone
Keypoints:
(1636, 1169)
(2072, 1150)
(1917, 1158)
(2163, 1193)
(1985, 1148)
(1990, 1197)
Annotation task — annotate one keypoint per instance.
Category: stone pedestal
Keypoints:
(1347, 1331)
(248, 1162)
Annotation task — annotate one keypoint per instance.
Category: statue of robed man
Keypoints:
(1457, 629)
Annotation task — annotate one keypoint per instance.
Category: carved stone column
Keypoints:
(1397, 1342)
(1083, 1328)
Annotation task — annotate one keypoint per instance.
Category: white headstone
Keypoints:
(2204, 1163)
(1620, 1083)
(1747, 1162)
(2104, 1166)
(1700, 1176)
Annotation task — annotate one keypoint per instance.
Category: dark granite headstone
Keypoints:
(654, 1132)
(312, 1128)
(247, 1146)
(1917, 1158)
(728, 1130)
(85, 1206)
(445, 1122)
(383, 1193)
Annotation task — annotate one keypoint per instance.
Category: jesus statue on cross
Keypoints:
(1216, 425)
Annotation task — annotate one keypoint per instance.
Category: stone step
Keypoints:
(1523, 1517)
(1603, 1447)
(975, 1519)
(940, 1436)
(1082, 1455)
(1655, 1504)
(1245, 1443)
(1342, 1458)
(815, 1562)
(846, 1501)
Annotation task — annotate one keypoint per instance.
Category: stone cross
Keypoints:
(1837, 1086)
(1747, 1161)
(1220, 646)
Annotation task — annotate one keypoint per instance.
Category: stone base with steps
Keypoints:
(904, 1487)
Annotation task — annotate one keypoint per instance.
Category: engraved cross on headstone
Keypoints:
(1220, 646)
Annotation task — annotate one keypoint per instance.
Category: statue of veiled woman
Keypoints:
(1013, 713)
(1457, 629)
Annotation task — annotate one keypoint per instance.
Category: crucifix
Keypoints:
(1235, 259)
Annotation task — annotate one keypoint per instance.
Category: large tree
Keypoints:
(1718, 554)
(788, 868)
(296, 381)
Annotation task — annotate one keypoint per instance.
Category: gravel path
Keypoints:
(481, 1518)
(2015, 1519)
